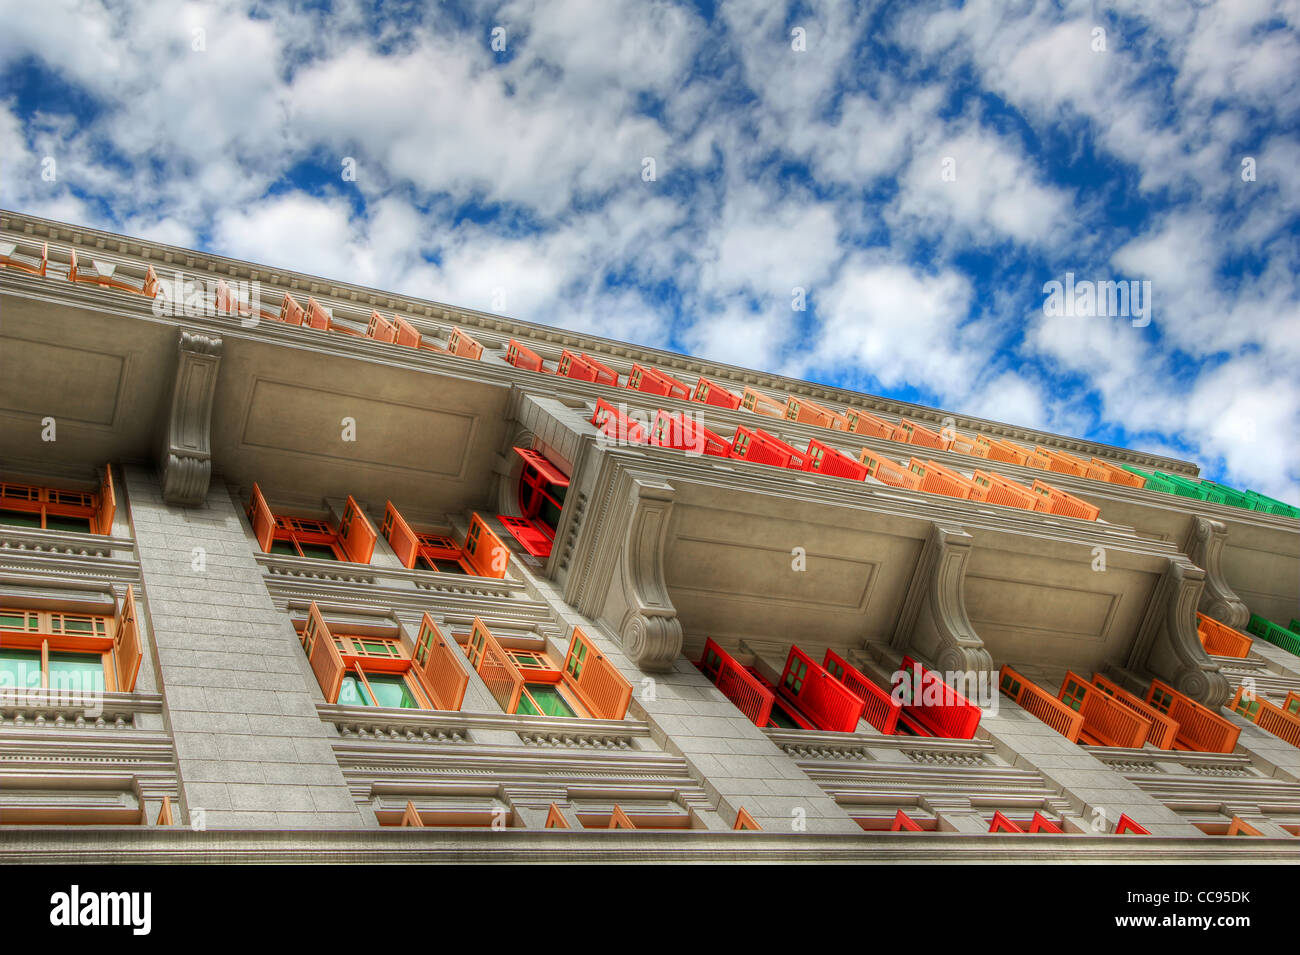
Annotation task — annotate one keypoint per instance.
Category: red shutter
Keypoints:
(400, 536)
(326, 661)
(736, 683)
(904, 823)
(357, 534)
(1041, 823)
(709, 393)
(881, 710)
(1126, 824)
(441, 671)
(107, 504)
(544, 467)
(615, 424)
(485, 551)
(127, 649)
(827, 702)
(263, 519)
(826, 460)
(1001, 823)
(603, 690)
(952, 717)
(530, 537)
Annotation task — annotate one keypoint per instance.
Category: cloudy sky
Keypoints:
(670, 173)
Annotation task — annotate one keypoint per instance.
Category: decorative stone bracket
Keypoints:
(933, 622)
(185, 467)
(1218, 600)
(650, 630)
(1167, 645)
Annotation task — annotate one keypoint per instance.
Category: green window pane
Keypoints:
(284, 547)
(77, 672)
(78, 625)
(56, 522)
(391, 690)
(20, 669)
(446, 566)
(13, 621)
(20, 518)
(318, 551)
(547, 698)
(352, 693)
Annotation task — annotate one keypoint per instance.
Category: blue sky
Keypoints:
(919, 170)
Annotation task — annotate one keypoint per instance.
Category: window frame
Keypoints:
(97, 508)
(114, 639)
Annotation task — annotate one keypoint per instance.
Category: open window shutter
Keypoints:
(400, 536)
(1001, 823)
(326, 661)
(603, 690)
(381, 329)
(1041, 823)
(618, 819)
(485, 551)
(904, 823)
(411, 817)
(544, 467)
(316, 316)
(744, 821)
(499, 673)
(165, 815)
(127, 651)
(406, 333)
(1126, 825)
(555, 819)
(263, 520)
(291, 312)
(107, 504)
(527, 533)
(357, 534)
(437, 663)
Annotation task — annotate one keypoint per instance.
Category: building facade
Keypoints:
(292, 569)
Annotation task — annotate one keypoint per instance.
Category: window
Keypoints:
(806, 695)
(826, 460)
(528, 682)
(863, 422)
(655, 382)
(766, 449)
(542, 488)
(367, 670)
(685, 434)
(56, 509)
(70, 652)
(614, 423)
(307, 537)
(482, 553)
(1199, 728)
(760, 403)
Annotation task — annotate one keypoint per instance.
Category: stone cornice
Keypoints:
(332, 293)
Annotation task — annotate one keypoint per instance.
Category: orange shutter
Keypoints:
(462, 345)
(555, 819)
(745, 821)
(316, 316)
(603, 690)
(107, 504)
(406, 333)
(326, 661)
(411, 816)
(165, 817)
(356, 534)
(618, 819)
(436, 662)
(127, 651)
(290, 311)
(263, 519)
(485, 551)
(400, 536)
(381, 329)
(499, 673)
